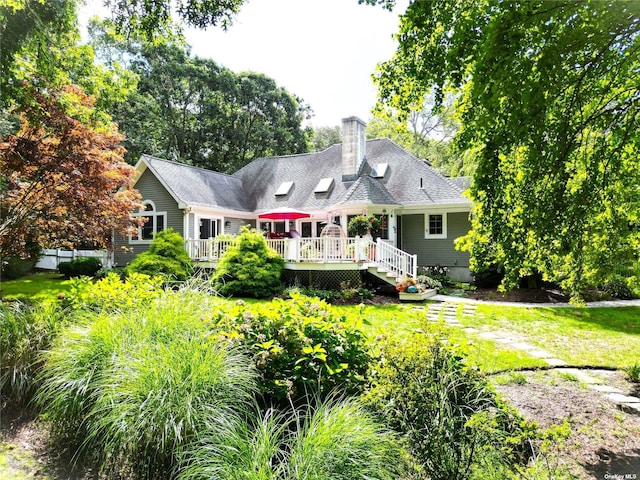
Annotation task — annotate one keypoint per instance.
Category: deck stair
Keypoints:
(383, 274)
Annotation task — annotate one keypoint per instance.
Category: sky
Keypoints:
(323, 51)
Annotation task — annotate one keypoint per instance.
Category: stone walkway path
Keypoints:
(448, 312)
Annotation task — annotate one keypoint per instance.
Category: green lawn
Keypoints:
(580, 336)
(39, 286)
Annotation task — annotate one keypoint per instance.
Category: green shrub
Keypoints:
(25, 331)
(83, 266)
(131, 389)
(166, 257)
(449, 414)
(12, 268)
(633, 373)
(112, 293)
(336, 440)
(301, 347)
(249, 268)
(617, 287)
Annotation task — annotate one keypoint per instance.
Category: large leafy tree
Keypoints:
(550, 110)
(193, 110)
(63, 181)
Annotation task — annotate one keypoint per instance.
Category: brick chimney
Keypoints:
(353, 148)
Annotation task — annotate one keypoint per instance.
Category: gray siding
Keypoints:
(150, 189)
(437, 251)
(236, 225)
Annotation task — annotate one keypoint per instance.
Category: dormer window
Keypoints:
(380, 170)
(324, 185)
(284, 189)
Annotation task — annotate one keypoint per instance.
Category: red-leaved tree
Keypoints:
(63, 181)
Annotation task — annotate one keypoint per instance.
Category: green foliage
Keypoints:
(449, 414)
(301, 347)
(130, 389)
(363, 224)
(633, 373)
(321, 138)
(25, 331)
(17, 267)
(249, 268)
(212, 117)
(113, 294)
(335, 440)
(166, 256)
(617, 287)
(549, 113)
(83, 266)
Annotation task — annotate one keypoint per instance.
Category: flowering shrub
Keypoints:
(301, 347)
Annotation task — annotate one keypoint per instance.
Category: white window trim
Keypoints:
(429, 236)
(152, 213)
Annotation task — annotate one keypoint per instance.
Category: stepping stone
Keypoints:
(581, 376)
(605, 389)
(620, 398)
(524, 346)
(540, 354)
(631, 407)
(470, 330)
(490, 335)
(556, 362)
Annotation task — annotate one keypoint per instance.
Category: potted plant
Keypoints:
(361, 225)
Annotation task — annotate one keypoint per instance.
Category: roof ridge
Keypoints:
(186, 165)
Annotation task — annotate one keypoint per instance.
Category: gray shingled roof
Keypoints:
(401, 185)
(197, 186)
(367, 190)
(408, 181)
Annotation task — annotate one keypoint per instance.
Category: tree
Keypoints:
(63, 180)
(550, 113)
(321, 138)
(192, 110)
(425, 133)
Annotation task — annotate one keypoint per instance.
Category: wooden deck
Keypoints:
(379, 257)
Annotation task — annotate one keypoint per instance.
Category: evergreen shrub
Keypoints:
(80, 267)
(249, 268)
(166, 257)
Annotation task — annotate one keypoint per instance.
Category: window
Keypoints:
(436, 225)
(154, 222)
(284, 189)
(380, 170)
(324, 185)
(383, 231)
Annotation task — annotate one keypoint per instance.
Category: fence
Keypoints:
(52, 257)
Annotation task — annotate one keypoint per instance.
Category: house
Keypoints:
(422, 212)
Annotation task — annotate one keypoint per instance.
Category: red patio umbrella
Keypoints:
(284, 213)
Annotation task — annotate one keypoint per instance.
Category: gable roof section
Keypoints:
(193, 186)
(367, 190)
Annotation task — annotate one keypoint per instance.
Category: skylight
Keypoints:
(380, 170)
(324, 185)
(284, 189)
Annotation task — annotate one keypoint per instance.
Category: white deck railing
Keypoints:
(324, 249)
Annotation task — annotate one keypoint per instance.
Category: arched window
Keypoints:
(154, 222)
